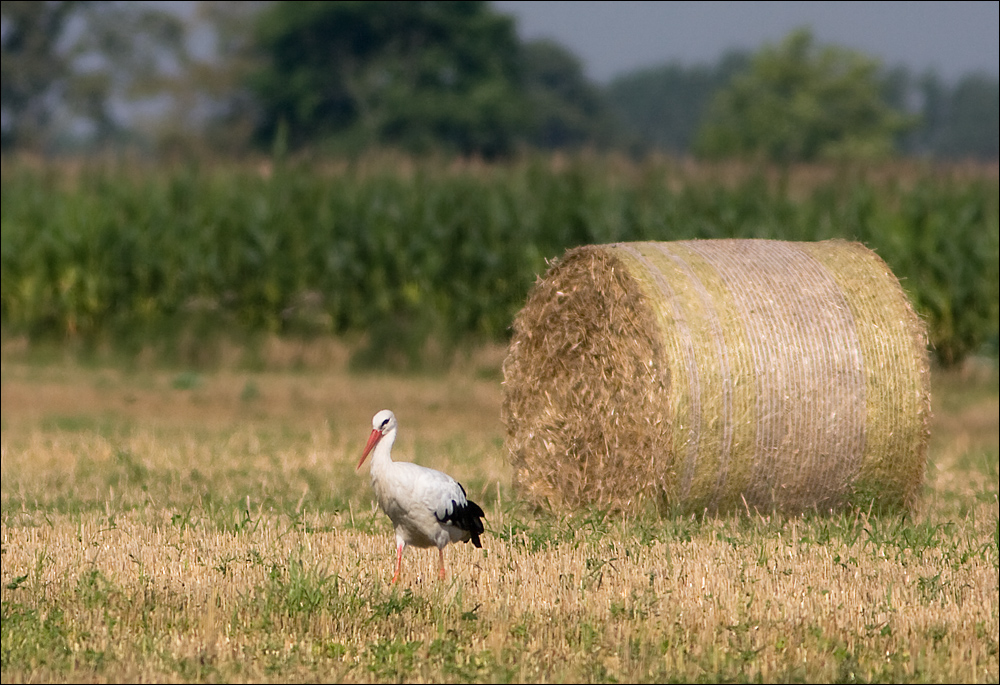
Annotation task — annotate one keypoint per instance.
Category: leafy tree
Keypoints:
(207, 103)
(973, 114)
(409, 74)
(567, 110)
(665, 105)
(954, 121)
(32, 70)
(799, 102)
(70, 65)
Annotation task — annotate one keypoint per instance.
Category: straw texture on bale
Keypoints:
(718, 374)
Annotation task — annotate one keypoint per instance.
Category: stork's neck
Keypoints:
(381, 457)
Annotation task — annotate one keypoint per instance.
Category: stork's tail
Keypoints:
(470, 518)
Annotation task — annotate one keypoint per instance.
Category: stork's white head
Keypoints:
(383, 423)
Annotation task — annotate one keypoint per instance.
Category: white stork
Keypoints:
(428, 508)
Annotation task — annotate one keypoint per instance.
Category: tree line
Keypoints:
(452, 77)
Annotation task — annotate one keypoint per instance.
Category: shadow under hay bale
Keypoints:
(718, 375)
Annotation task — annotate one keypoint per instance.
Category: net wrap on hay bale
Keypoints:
(718, 374)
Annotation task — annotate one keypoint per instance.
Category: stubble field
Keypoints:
(171, 525)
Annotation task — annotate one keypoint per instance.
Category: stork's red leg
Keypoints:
(399, 560)
(441, 555)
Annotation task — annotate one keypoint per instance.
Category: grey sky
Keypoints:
(611, 38)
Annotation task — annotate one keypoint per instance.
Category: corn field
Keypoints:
(404, 252)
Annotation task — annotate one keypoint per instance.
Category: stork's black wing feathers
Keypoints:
(466, 515)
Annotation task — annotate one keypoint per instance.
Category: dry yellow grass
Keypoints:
(171, 527)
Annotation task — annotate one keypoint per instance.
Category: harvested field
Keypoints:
(174, 525)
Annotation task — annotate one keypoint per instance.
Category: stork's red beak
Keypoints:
(372, 441)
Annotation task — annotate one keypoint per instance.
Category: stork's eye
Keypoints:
(384, 423)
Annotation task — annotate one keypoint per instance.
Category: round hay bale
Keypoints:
(718, 375)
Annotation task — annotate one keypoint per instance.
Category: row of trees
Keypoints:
(422, 76)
